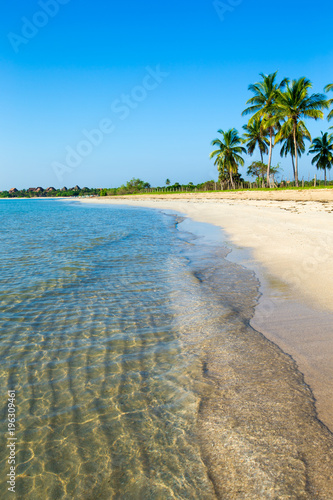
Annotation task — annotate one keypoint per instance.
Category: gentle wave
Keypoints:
(136, 371)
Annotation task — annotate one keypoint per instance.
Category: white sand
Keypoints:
(292, 248)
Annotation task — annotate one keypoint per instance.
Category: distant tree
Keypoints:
(228, 155)
(135, 185)
(167, 182)
(257, 169)
(322, 147)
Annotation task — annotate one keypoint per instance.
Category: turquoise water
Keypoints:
(105, 405)
(137, 375)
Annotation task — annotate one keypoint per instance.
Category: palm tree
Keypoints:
(322, 147)
(330, 101)
(255, 136)
(261, 105)
(288, 143)
(222, 169)
(228, 154)
(291, 106)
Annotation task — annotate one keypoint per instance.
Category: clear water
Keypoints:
(136, 372)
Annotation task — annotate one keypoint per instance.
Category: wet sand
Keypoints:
(286, 237)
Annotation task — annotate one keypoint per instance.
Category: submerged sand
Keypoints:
(258, 426)
(291, 250)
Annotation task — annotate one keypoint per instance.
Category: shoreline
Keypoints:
(288, 246)
(320, 194)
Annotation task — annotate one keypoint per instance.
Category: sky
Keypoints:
(94, 93)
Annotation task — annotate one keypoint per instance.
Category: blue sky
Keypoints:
(157, 79)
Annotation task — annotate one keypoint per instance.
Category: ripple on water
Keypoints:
(106, 406)
(137, 373)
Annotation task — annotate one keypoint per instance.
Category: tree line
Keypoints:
(50, 192)
(278, 112)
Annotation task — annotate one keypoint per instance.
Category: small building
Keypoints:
(12, 190)
(49, 189)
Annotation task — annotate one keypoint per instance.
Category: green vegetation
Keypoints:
(50, 192)
(228, 155)
(265, 93)
(278, 112)
(254, 136)
(322, 147)
(293, 105)
(136, 186)
(256, 169)
(328, 88)
(288, 145)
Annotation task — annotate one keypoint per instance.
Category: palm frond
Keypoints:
(328, 87)
(228, 156)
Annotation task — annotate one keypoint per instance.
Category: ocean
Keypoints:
(126, 340)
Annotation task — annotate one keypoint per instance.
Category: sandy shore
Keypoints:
(322, 195)
(286, 237)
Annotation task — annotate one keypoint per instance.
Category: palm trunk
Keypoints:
(292, 160)
(231, 180)
(262, 173)
(296, 156)
(270, 155)
(325, 175)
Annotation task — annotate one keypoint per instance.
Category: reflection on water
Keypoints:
(136, 371)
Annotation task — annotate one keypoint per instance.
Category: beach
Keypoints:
(286, 238)
(155, 354)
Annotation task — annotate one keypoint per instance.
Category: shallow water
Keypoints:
(136, 372)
